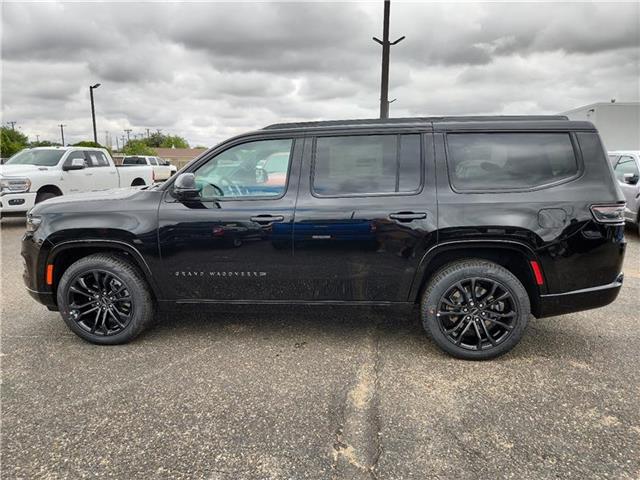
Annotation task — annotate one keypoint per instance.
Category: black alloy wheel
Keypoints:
(477, 313)
(475, 309)
(100, 303)
(105, 298)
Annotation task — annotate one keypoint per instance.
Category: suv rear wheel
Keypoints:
(475, 309)
(104, 299)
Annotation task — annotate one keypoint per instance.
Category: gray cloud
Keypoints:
(208, 71)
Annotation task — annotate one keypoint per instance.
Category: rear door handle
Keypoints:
(267, 218)
(407, 216)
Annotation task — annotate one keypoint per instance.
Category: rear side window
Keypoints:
(134, 161)
(509, 161)
(367, 164)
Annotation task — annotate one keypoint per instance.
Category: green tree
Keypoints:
(159, 140)
(11, 142)
(138, 147)
(44, 143)
(87, 143)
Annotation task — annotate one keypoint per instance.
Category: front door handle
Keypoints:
(407, 216)
(267, 218)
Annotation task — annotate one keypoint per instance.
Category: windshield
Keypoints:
(43, 158)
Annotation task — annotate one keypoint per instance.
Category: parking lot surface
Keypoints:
(253, 393)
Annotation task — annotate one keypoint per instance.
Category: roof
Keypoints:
(412, 121)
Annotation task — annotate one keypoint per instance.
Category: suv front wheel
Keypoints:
(105, 300)
(475, 309)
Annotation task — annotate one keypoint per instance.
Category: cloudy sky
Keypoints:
(208, 71)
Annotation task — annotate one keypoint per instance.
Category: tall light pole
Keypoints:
(384, 82)
(93, 112)
(62, 132)
(13, 125)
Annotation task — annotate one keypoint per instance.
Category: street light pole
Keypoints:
(93, 112)
(384, 81)
(62, 132)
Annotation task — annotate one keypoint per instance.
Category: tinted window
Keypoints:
(503, 161)
(625, 165)
(367, 164)
(240, 171)
(134, 161)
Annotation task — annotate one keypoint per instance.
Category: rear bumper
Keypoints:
(578, 300)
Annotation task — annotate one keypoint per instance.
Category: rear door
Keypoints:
(102, 173)
(366, 214)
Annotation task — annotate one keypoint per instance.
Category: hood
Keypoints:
(21, 170)
(115, 194)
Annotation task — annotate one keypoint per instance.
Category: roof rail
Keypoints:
(411, 121)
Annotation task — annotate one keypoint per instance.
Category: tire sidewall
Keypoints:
(139, 299)
(444, 283)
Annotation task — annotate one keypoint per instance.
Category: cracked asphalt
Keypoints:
(319, 393)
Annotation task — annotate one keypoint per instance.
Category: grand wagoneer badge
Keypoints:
(192, 273)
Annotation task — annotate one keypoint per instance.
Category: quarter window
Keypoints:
(509, 161)
(367, 164)
(253, 169)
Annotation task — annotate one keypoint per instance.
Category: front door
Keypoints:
(365, 216)
(233, 242)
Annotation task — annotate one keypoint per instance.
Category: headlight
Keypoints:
(14, 185)
(33, 222)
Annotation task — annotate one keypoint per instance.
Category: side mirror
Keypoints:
(75, 164)
(185, 187)
(630, 178)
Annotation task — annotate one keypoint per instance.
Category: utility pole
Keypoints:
(384, 82)
(147, 133)
(93, 111)
(37, 138)
(117, 145)
(62, 132)
(13, 125)
(128, 132)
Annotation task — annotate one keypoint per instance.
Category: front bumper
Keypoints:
(17, 202)
(578, 300)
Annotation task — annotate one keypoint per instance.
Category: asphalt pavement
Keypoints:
(316, 392)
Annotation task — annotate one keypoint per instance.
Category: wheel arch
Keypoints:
(49, 188)
(138, 182)
(64, 254)
(514, 256)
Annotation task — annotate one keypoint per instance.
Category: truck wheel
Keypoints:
(42, 196)
(105, 300)
(475, 309)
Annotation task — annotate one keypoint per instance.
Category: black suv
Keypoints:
(481, 221)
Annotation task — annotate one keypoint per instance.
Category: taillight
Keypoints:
(608, 213)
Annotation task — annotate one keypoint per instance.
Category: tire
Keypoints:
(120, 315)
(480, 326)
(41, 197)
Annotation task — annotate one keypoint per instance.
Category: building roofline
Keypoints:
(596, 104)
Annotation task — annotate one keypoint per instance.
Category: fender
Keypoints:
(434, 251)
(112, 244)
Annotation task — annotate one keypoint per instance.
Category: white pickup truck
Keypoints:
(37, 174)
(162, 169)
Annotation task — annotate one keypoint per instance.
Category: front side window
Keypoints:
(367, 164)
(76, 155)
(253, 169)
(153, 161)
(509, 161)
(626, 165)
(42, 158)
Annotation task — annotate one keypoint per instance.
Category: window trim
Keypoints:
(577, 153)
(247, 199)
(397, 134)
